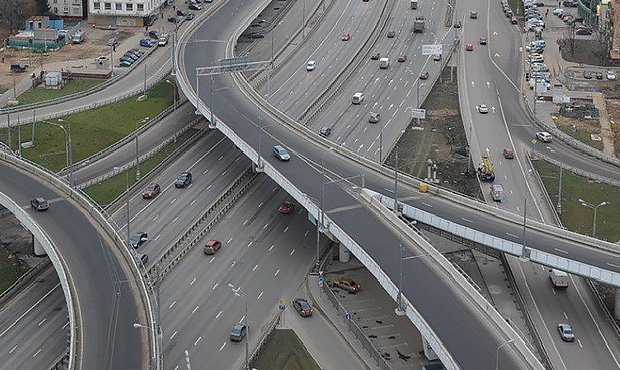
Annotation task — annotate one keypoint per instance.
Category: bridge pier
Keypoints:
(617, 305)
(38, 248)
(344, 255)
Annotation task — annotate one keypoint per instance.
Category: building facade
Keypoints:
(125, 13)
(68, 8)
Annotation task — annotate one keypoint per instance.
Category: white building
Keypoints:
(126, 13)
(68, 8)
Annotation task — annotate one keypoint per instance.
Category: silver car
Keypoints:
(566, 332)
(280, 152)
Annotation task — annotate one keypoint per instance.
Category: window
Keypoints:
(129, 7)
(55, 10)
(140, 7)
(119, 6)
(107, 6)
(96, 5)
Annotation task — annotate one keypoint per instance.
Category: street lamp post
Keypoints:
(174, 98)
(497, 353)
(157, 351)
(138, 150)
(239, 293)
(126, 202)
(68, 146)
(595, 209)
(321, 225)
(381, 144)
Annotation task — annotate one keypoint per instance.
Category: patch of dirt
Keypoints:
(586, 51)
(590, 124)
(441, 138)
(613, 111)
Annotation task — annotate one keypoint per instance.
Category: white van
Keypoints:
(358, 98)
(384, 63)
(558, 278)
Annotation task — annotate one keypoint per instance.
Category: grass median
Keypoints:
(41, 94)
(10, 269)
(91, 131)
(284, 350)
(106, 191)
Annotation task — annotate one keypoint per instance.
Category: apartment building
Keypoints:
(125, 13)
(68, 8)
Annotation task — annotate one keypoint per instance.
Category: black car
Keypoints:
(141, 258)
(195, 7)
(183, 180)
(138, 239)
(325, 131)
(173, 19)
(599, 75)
(181, 13)
(257, 35)
(303, 307)
(238, 332)
(190, 16)
(39, 204)
(154, 35)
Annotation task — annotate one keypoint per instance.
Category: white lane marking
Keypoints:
(565, 315)
(242, 318)
(579, 341)
(208, 187)
(250, 243)
(612, 265)
(155, 218)
(245, 222)
(195, 309)
(175, 219)
(223, 345)
(197, 340)
(560, 250)
(306, 234)
(224, 173)
(218, 315)
(174, 200)
(42, 321)
(293, 251)
(172, 304)
(286, 229)
(273, 245)
(260, 204)
(233, 264)
(13, 349)
(428, 205)
(37, 353)
(229, 240)
(174, 334)
(512, 235)
(28, 310)
(277, 272)
(467, 220)
(212, 259)
(255, 267)
(266, 225)
(260, 295)
(193, 202)
(215, 286)
(193, 281)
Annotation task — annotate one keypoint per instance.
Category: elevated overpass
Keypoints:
(104, 290)
(436, 298)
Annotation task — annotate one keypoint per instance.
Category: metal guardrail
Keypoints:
(79, 94)
(106, 151)
(590, 175)
(217, 210)
(263, 335)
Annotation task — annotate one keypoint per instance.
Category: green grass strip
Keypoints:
(284, 350)
(41, 94)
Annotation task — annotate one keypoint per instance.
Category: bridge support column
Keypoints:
(38, 248)
(617, 305)
(344, 255)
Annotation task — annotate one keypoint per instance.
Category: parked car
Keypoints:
(181, 13)
(587, 75)
(611, 75)
(599, 75)
(127, 59)
(195, 7)
(325, 131)
(155, 35)
(281, 153)
(125, 63)
(212, 246)
(257, 35)
(147, 43)
(151, 191)
(141, 258)
(458, 24)
(238, 332)
(566, 333)
(287, 207)
(346, 284)
(39, 204)
(173, 19)
(583, 31)
(137, 239)
(508, 153)
(303, 307)
(558, 11)
(184, 179)
(497, 193)
(544, 136)
(190, 16)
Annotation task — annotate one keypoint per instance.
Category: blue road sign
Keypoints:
(281, 307)
(348, 316)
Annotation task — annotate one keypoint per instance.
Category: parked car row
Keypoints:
(610, 75)
(130, 57)
(508, 11)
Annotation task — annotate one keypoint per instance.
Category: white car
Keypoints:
(544, 136)
(311, 65)
(539, 81)
(611, 75)
(558, 11)
(482, 108)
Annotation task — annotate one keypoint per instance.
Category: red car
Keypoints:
(375, 56)
(402, 58)
(287, 207)
(346, 37)
(212, 246)
(423, 75)
(151, 191)
(469, 47)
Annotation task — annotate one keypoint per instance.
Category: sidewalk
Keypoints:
(325, 335)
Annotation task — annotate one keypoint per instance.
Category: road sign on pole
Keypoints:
(431, 49)
(281, 307)
(321, 280)
(348, 316)
(418, 113)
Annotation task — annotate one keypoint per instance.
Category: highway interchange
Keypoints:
(210, 184)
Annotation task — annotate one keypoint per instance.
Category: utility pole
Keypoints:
(34, 120)
(396, 184)
(559, 207)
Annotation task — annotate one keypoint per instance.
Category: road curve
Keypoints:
(106, 294)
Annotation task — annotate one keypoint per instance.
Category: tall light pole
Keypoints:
(67, 146)
(156, 353)
(174, 98)
(137, 149)
(239, 293)
(497, 353)
(321, 219)
(126, 202)
(595, 209)
(381, 144)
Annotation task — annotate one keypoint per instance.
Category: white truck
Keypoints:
(558, 278)
(384, 63)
